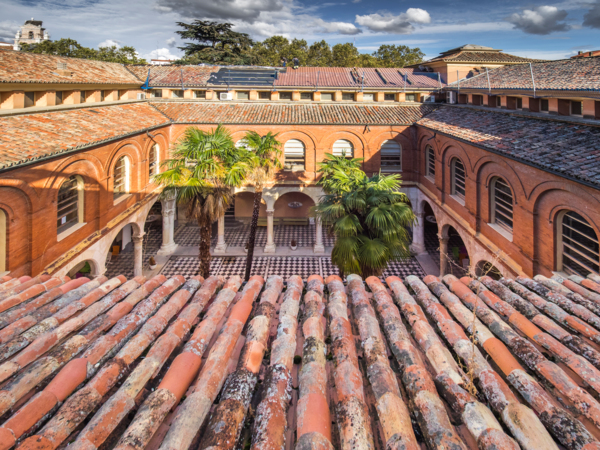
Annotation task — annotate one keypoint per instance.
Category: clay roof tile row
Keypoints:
(371, 366)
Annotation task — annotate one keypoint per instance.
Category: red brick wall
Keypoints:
(29, 197)
(538, 195)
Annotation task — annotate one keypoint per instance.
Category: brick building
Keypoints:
(508, 182)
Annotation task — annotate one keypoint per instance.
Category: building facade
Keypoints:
(516, 186)
(30, 33)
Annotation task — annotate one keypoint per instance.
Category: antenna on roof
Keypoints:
(488, 77)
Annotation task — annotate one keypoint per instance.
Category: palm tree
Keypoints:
(266, 151)
(204, 168)
(368, 215)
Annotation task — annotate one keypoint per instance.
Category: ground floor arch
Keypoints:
(486, 268)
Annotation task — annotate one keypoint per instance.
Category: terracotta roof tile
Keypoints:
(127, 346)
(579, 74)
(550, 145)
(281, 114)
(21, 67)
(482, 57)
(173, 76)
(29, 137)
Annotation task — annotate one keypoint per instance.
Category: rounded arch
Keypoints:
(488, 167)
(293, 204)
(459, 253)
(358, 142)
(132, 150)
(343, 147)
(308, 139)
(87, 165)
(427, 137)
(244, 205)
(455, 150)
(86, 268)
(544, 188)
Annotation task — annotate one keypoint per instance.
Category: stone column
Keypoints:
(319, 247)
(168, 229)
(270, 247)
(221, 247)
(443, 254)
(138, 255)
(418, 243)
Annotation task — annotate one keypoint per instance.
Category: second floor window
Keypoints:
(458, 178)
(502, 204)
(391, 156)
(342, 147)
(69, 204)
(153, 161)
(293, 152)
(121, 178)
(430, 155)
(578, 252)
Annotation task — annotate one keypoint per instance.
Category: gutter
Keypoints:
(527, 163)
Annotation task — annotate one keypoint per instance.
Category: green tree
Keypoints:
(368, 216)
(215, 43)
(298, 49)
(319, 54)
(270, 51)
(72, 48)
(344, 55)
(203, 170)
(398, 55)
(266, 151)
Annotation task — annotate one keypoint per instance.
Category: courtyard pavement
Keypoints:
(284, 262)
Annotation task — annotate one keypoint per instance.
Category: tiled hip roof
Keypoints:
(490, 57)
(352, 365)
(567, 149)
(276, 114)
(173, 76)
(29, 137)
(582, 74)
(21, 67)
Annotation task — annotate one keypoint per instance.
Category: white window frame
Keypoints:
(343, 147)
(589, 258)
(386, 154)
(501, 209)
(79, 222)
(458, 181)
(430, 162)
(294, 160)
(126, 182)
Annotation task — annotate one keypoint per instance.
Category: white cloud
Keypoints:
(110, 43)
(338, 27)
(540, 20)
(389, 23)
(462, 28)
(171, 42)
(592, 17)
(161, 53)
(8, 30)
(247, 10)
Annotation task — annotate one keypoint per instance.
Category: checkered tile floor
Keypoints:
(304, 236)
(285, 266)
(123, 263)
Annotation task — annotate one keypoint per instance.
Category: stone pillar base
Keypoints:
(270, 248)
(220, 249)
(319, 248)
(417, 249)
(167, 249)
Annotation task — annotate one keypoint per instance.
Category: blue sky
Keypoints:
(539, 29)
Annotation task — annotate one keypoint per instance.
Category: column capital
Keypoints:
(169, 195)
(139, 238)
(270, 212)
(443, 239)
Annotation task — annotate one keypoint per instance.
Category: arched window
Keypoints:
(343, 147)
(502, 204)
(31, 35)
(430, 161)
(153, 161)
(578, 250)
(69, 204)
(121, 177)
(391, 156)
(458, 178)
(3, 240)
(293, 152)
(241, 144)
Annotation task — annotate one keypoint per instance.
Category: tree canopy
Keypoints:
(72, 48)
(216, 43)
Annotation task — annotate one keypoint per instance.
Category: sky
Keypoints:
(536, 29)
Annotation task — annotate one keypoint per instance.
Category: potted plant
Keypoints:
(246, 248)
(293, 245)
(152, 263)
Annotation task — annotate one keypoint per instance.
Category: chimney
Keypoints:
(61, 69)
(580, 52)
